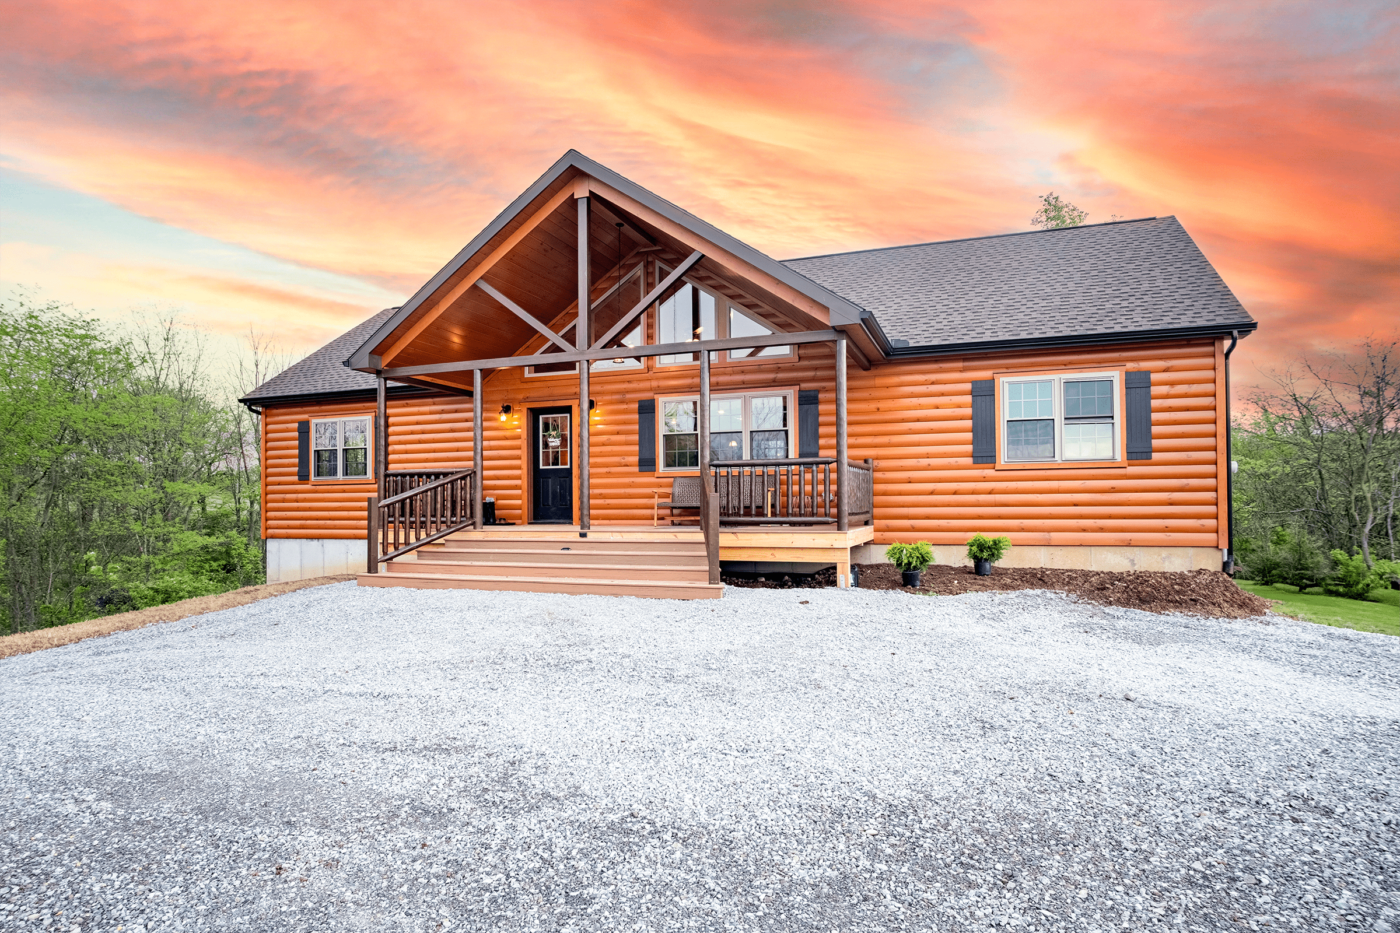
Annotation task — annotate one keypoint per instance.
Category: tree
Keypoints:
(1322, 455)
(1055, 213)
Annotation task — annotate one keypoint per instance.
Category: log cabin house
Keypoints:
(541, 413)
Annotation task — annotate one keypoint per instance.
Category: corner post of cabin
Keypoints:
(478, 450)
(381, 434)
(582, 336)
(843, 503)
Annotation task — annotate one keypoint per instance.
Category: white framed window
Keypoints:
(695, 313)
(340, 448)
(752, 426)
(1049, 419)
(620, 299)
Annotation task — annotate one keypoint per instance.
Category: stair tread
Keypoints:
(582, 581)
(555, 551)
(666, 568)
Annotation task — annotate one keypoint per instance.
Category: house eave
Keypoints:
(1071, 340)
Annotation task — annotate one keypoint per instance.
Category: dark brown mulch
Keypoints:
(1199, 592)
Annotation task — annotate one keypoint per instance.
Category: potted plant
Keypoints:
(984, 551)
(911, 559)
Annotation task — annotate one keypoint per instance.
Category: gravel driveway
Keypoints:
(387, 759)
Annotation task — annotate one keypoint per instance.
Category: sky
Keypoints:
(286, 168)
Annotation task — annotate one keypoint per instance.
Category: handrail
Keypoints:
(791, 490)
(426, 513)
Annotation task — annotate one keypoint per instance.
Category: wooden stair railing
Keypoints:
(860, 486)
(419, 515)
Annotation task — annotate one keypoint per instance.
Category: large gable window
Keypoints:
(620, 299)
(340, 448)
(1060, 418)
(756, 426)
(693, 313)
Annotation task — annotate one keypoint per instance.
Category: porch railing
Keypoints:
(428, 505)
(796, 491)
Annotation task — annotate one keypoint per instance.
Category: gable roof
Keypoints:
(575, 163)
(1132, 279)
(323, 373)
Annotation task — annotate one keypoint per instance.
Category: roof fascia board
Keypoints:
(344, 395)
(1074, 340)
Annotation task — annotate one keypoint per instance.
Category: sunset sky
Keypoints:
(294, 166)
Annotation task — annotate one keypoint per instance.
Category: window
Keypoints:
(1060, 418)
(742, 427)
(692, 313)
(340, 449)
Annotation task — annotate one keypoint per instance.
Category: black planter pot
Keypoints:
(911, 577)
(982, 567)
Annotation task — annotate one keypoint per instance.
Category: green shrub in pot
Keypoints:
(911, 559)
(984, 551)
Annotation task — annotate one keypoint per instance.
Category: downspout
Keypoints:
(1229, 564)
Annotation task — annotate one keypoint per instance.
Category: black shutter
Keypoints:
(809, 423)
(303, 450)
(984, 421)
(1138, 417)
(646, 435)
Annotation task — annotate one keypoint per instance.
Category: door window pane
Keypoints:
(1089, 442)
(1030, 440)
(1089, 399)
(554, 441)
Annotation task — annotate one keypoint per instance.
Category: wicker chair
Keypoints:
(685, 497)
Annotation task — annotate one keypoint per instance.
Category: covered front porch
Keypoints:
(673, 322)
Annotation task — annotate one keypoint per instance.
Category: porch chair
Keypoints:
(685, 496)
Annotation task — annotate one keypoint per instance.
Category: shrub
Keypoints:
(1291, 557)
(1352, 579)
(910, 557)
(980, 547)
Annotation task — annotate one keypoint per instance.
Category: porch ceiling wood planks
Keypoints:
(606, 353)
(521, 313)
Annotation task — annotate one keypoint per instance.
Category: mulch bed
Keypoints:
(1199, 592)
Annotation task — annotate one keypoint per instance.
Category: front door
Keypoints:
(551, 448)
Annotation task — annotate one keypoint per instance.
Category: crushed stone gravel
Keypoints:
(347, 758)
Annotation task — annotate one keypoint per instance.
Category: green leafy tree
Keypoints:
(1055, 212)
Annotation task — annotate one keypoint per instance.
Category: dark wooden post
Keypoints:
(372, 533)
(381, 435)
(478, 449)
(843, 491)
(709, 496)
(582, 335)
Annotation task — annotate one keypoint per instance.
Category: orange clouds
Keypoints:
(373, 140)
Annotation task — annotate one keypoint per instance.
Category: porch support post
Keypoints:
(704, 415)
(843, 499)
(709, 496)
(581, 335)
(478, 450)
(381, 435)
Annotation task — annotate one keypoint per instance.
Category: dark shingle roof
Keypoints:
(324, 372)
(1111, 279)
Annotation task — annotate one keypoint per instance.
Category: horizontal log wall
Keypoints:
(914, 418)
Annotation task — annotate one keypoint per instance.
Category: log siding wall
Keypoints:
(914, 418)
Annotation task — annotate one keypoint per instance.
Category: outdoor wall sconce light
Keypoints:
(505, 412)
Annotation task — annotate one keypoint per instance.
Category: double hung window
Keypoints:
(340, 448)
(1060, 418)
(742, 427)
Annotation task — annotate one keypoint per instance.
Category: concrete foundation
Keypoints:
(300, 558)
(1071, 558)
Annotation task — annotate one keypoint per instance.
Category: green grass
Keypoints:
(1380, 613)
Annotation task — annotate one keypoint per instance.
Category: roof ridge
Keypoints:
(968, 239)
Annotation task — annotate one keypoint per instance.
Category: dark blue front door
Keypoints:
(551, 450)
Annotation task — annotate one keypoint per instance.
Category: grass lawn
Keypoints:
(1381, 613)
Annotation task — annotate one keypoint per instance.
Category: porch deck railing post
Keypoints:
(478, 450)
(583, 335)
(372, 534)
(843, 507)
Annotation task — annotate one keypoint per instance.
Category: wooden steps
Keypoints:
(657, 563)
